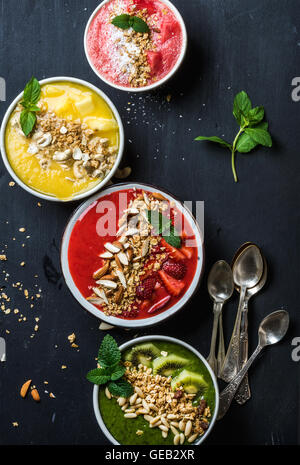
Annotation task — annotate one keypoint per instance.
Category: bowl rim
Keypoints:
(155, 84)
(112, 320)
(88, 192)
(175, 341)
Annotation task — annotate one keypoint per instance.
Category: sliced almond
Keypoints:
(102, 271)
(145, 247)
(106, 255)
(119, 264)
(110, 277)
(107, 283)
(121, 278)
(105, 327)
(158, 196)
(95, 300)
(100, 293)
(121, 229)
(129, 254)
(132, 211)
(118, 244)
(131, 232)
(146, 198)
(111, 248)
(123, 258)
(24, 388)
(118, 295)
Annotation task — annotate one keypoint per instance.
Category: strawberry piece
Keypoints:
(187, 251)
(154, 59)
(172, 251)
(145, 305)
(174, 286)
(145, 289)
(175, 269)
(160, 304)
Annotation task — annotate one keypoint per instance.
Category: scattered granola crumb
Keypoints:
(39, 204)
(168, 97)
(36, 327)
(22, 264)
(11, 184)
(139, 432)
(52, 395)
(22, 229)
(3, 257)
(72, 338)
(15, 424)
(63, 367)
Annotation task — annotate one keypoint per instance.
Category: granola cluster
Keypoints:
(133, 47)
(168, 410)
(129, 259)
(72, 144)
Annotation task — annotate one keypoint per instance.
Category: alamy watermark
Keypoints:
(296, 89)
(2, 90)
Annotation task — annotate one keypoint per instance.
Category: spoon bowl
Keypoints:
(273, 328)
(220, 282)
(252, 290)
(248, 267)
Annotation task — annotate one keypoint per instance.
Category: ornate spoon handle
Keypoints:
(231, 363)
(212, 354)
(228, 393)
(221, 349)
(244, 393)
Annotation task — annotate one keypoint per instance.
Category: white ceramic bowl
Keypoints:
(167, 339)
(114, 321)
(81, 195)
(161, 81)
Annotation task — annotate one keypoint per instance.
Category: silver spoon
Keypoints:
(220, 287)
(271, 330)
(247, 272)
(244, 393)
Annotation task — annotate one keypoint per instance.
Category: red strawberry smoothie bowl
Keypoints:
(132, 255)
(131, 60)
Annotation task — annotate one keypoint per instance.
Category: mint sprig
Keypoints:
(31, 96)
(111, 370)
(163, 226)
(253, 131)
(126, 21)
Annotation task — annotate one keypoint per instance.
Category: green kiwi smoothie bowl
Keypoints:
(157, 391)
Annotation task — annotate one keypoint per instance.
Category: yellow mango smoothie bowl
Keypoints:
(62, 139)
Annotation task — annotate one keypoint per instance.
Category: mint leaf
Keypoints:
(139, 25)
(27, 120)
(217, 140)
(260, 136)
(118, 373)
(241, 107)
(98, 376)
(32, 91)
(120, 388)
(245, 144)
(159, 222)
(173, 240)
(122, 21)
(109, 352)
(255, 115)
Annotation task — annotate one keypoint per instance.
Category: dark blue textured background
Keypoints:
(233, 45)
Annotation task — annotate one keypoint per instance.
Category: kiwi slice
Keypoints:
(165, 366)
(142, 353)
(191, 382)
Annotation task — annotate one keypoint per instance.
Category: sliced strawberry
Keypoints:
(145, 305)
(154, 59)
(174, 286)
(172, 251)
(187, 251)
(175, 269)
(160, 304)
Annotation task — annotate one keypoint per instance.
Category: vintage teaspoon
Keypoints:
(271, 330)
(243, 394)
(220, 287)
(247, 272)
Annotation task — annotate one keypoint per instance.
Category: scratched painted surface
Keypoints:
(233, 45)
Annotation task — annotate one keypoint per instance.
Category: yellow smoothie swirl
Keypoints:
(73, 146)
